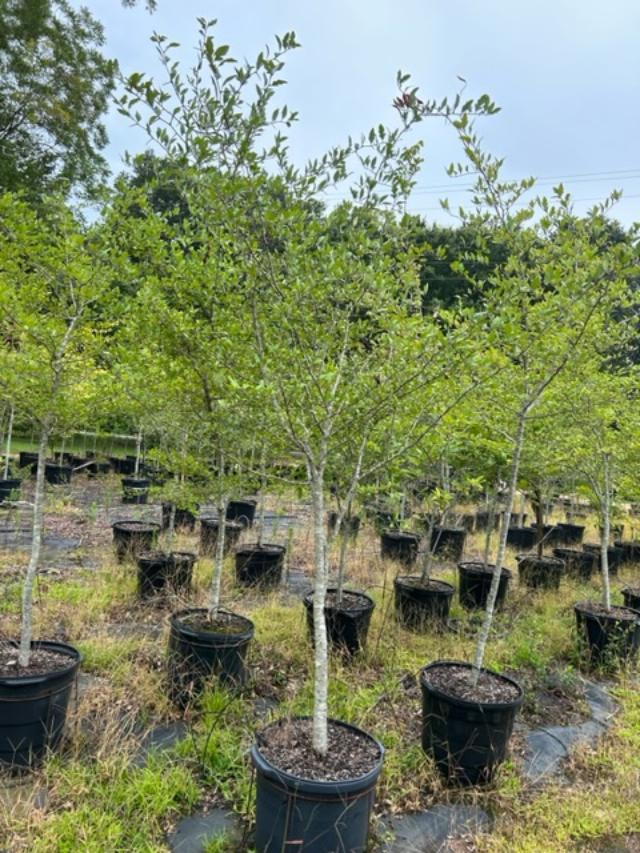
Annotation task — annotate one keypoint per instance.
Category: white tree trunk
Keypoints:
(321, 661)
(263, 489)
(502, 548)
(136, 469)
(26, 633)
(218, 560)
(491, 516)
(606, 531)
(8, 445)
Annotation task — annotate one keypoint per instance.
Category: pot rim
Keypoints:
(74, 654)
(467, 703)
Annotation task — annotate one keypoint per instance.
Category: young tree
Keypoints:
(54, 318)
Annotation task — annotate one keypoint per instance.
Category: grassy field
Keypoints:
(95, 796)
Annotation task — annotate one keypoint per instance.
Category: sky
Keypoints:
(566, 74)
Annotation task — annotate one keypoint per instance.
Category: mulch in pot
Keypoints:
(288, 746)
(41, 662)
(224, 623)
(457, 681)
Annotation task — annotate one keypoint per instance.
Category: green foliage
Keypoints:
(52, 133)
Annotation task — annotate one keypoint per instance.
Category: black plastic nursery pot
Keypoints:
(294, 813)
(448, 542)
(553, 535)
(468, 740)
(521, 537)
(399, 545)
(483, 517)
(475, 583)
(631, 596)
(180, 570)
(57, 475)
(259, 565)
(579, 564)
(33, 710)
(9, 490)
(135, 490)
(608, 637)
(571, 534)
(153, 571)
(26, 458)
(630, 551)
(614, 556)
(350, 524)
(419, 606)
(348, 623)
(131, 538)
(242, 511)
(183, 518)
(195, 655)
(209, 535)
(539, 572)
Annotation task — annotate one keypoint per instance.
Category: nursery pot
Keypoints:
(580, 564)
(153, 569)
(124, 466)
(483, 517)
(180, 570)
(475, 583)
(196, 655)
(297, 814)
(348, 623)
(448, 541)
(33, 709)
(631, 596)
(9, 489)
(259, 565)
(614, 556)
(539, 572)
(135, 490)
(467, 739)
(630, 551)
(553, 535)
(209, 535)
(350, 524)
(419, 606)
(27, 457)
(242, 511)
(571, 534)
(522, 537)
(607, 637)
(131, 538)
(57, 475)
(398, 545)
(182, 518)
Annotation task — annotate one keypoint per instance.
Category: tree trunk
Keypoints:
(321, 663)
(502, 548)
(26, 633)
(218, 560)
(263, 489)
(606, 531)
(136, 469)
(8, 445)
(538, 505)
(490, 522)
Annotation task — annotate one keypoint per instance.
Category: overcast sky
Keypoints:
(565, 72)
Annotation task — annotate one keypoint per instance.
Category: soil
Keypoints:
(224, 623)
(41, 662)
(287, 745)
(416, 582)
(350, 601)
(594, 608)
(153, 556)
(456, 681)
(260, 549)
(551, 562)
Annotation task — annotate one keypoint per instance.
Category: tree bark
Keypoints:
(8, 445)
(26, 632)
(502, 548)
(606, 532)
(218, 560)
(321, 662)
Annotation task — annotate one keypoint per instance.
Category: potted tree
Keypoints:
(54, 287)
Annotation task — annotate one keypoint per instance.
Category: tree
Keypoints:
(55, 89)
(54, 320)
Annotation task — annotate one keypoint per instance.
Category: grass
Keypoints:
(100, 800)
